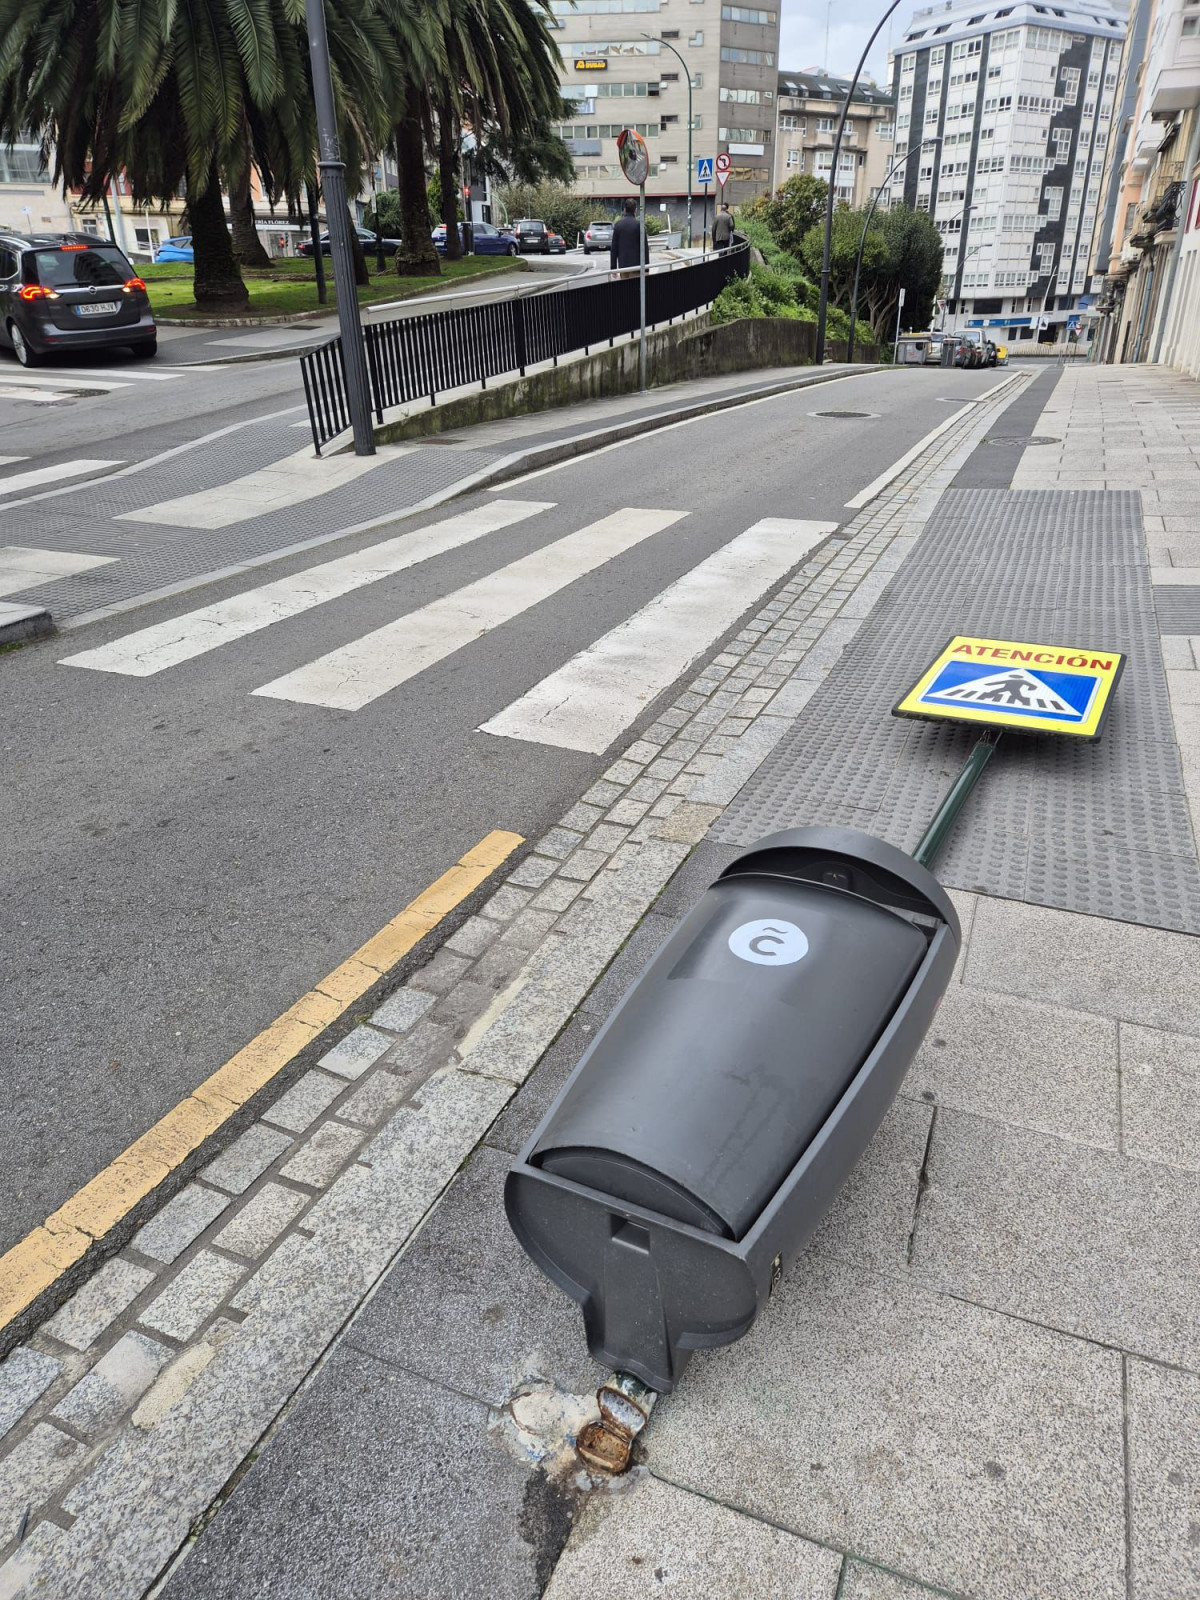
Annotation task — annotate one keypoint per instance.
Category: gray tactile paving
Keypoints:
(1100, 828)
(1178, 607)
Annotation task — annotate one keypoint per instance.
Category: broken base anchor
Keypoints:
(625, 1405)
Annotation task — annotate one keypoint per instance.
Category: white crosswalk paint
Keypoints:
(22, 567)
(298, 477)
(64, 469)
(596, 695)
(350, 678)
(166, 644)
(61, 378)
(8, 461)
(36, 397)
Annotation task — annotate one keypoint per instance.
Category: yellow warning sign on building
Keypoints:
(1037, 688)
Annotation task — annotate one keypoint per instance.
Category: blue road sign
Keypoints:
(704, 169)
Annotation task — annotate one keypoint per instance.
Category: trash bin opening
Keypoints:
(616, 1177)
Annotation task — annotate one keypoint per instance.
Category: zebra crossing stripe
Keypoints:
(596, 695)
(64, 469)
(166, 644)
(350, 678)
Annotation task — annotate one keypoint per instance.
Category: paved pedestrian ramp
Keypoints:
(1101, 828)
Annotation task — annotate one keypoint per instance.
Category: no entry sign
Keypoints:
(1001, 683)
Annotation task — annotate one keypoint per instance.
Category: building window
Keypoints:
(886, 130)
(743, 97)
(696, 40)
(748, 58)
(908, 63)
(824, 124)
(22, 163)
(566, 8)
(937, 55)
(744, 135)
(765, 19)
(791, 124)
(794, 161)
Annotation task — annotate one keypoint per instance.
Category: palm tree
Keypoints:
(173, 95)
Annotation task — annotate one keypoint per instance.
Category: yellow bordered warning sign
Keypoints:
(1035, 688)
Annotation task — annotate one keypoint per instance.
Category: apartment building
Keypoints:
(1021, 98)
(807, 106)
(1148, 250)
(628, 63)
(29, 202)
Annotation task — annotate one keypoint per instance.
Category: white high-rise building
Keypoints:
(1021, 98)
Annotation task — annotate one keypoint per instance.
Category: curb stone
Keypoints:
(133, 1475)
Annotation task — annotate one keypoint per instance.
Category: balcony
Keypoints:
(1150, 135)
(1177, 85)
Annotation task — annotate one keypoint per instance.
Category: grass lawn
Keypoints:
(291, 286)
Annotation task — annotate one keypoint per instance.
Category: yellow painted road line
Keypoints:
(31, 1267)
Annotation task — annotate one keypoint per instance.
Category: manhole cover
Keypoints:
(842, 413)
(1019, 444)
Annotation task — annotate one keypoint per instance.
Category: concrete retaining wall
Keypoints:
(693, 349)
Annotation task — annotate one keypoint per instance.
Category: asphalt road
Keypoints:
(183, 858)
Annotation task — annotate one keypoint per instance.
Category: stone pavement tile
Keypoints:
(1160, 1096)
(1015, 1061)
(261, 1220)
(379, 1486)
(115, 1383)
(372, 1101)
(102, 1298)
(325, 1154)
(1164, 1482)
(247, 1158)
(702, 867)
(871, 1583)
(26, 1559)
(533, 1099)
(404, 1008)
(466, 1307)
(192, 1296)
(971, 1450)
(1087, 963)
(304, 1102)
(24, 1377)
(1090, 1242)
(351, 1056)
(643, 942)
(180, 1221)
(654, 1539)
(870, 1221)
(32, 1471)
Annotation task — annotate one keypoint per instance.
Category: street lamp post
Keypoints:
(862, 243)
(827, 246)
(972, 206)
(333, 182)
(687, 72)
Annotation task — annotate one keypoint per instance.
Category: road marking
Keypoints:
(652, 426)
(37, 397)
(596, 695)
(350, 678)
(158, 373)
(32, 1267)
(62, 378)
(65, 469)
(879, 484)
(8, 461)
(22, 567)
(166, 644)
(298, 477)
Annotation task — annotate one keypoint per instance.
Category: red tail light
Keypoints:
(37, 291)
(134, 283)
(74, 247)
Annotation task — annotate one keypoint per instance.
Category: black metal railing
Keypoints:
(412, 358)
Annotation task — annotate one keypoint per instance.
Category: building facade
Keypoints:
(807, 108)
(1148, 250)
(620, 69)
(1021, 98)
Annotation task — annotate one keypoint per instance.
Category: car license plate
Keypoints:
(99, 308)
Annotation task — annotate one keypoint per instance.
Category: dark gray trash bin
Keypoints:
(713, 1119)
(949, 350)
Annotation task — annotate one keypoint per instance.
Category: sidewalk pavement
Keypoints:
(327, 1369)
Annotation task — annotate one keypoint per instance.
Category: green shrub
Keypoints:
(737, 299)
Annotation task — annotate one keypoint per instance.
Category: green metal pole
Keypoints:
(955, 798)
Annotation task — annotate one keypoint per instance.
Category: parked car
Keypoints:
(70, 291)
(597, 237)
(977, 348)
(176, 249)
(558, 245)
(486, 239)
(531, 234)
(365, 238)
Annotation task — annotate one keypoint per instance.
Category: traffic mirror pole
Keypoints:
(642, 282)
(337, 213)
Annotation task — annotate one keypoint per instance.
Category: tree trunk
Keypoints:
(416, 256)
(448, 178)
(361, 276)
(218, 283)
(247, 246)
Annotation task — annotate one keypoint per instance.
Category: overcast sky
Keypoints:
(803, 24)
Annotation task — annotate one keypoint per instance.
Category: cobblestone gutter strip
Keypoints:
(125, 1415)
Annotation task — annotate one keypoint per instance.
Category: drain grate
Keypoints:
(842, 413)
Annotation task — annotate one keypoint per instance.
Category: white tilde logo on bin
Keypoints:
(769, 943)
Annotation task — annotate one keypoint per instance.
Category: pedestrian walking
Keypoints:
(625, 251)
(723, 229)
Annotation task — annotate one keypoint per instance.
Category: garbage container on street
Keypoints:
(712, 1121)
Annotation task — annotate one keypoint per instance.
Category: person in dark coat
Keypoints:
(723, 229)
(626, 235)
